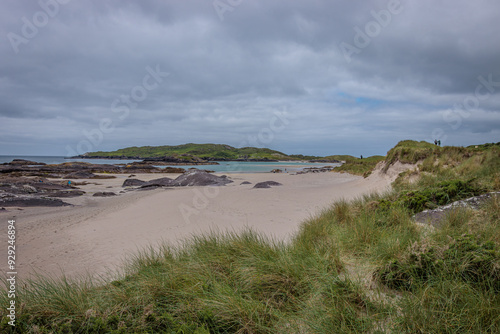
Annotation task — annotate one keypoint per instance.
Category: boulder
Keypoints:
(266, 184)
(161, 182)
(245, 182)
(435, 217)
(133, 183)
(197, 177)
(25, 201)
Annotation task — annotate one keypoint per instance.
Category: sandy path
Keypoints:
(96, 235)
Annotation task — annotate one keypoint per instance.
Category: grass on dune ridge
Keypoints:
(358, 267)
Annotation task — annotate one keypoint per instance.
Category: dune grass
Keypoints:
(357, 267)
(357, 166)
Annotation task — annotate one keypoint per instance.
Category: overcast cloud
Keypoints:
(94, 75)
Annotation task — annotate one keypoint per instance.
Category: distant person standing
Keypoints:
(361, 156)
(435, 142)
(439, 142)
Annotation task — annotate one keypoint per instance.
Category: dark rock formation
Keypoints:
(78, 170)
(161, 182)
(22, 162)
(277, 170)
(174, 170)
(133, 183)
(80, 175)
(436, 216)
(184, 159)
(104, 194)
(197, 177)
(194, 177)
(25, 201)
(245, 182)
(267, 184)
(66, 193)
(22, 191)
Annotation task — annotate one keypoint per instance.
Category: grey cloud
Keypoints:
(227, 77)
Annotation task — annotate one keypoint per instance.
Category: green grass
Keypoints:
(359, 166)
(213, 151)
(357, 267)
(187, 151)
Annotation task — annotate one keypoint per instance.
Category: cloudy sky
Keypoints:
(313, 77)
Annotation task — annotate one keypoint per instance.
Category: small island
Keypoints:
(201, 154)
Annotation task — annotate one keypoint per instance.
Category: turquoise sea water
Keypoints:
(223, 167)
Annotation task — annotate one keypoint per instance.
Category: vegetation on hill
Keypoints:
(213, 151)
(358, 166)
(357, 267)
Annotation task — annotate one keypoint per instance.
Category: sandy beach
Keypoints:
(96, 235)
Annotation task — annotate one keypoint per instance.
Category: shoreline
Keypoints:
(96, 235)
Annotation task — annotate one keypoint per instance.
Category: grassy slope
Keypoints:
(199, 150)
(359, 166)
(362, 266)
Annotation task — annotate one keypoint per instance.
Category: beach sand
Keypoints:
(97, 234)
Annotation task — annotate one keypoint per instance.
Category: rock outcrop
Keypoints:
(79, 170)
(25, 201)
(434, 217)
(24, 191)
(22, 162)
(194, 177)
(266, 184)
(197, 177)
(104, 194)
(161, 182)
(133, 183)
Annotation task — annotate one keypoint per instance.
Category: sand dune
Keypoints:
(97, 234)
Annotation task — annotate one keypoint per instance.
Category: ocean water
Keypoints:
(223, 167)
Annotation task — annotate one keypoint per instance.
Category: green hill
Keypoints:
(204, 151)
